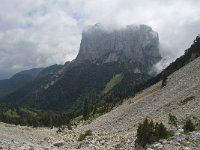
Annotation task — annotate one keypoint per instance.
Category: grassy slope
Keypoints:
(113, 82)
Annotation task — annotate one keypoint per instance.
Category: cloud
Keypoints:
(37, 33)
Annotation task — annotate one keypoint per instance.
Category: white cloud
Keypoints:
(35, 33)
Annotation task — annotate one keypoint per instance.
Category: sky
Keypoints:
(39, 33)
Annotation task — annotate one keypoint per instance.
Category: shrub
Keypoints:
(88, 133)
(164, 81)
(188, 126)
(69, 126)
(147, 133)
(83, 135)
(198, 126)
(185, 101)
(172, 120)
(160, 132)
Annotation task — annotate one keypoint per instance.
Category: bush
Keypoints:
(69, 126)
(160, 132)
(198, 126)
(147, 133)
(88, 133)
(172, 120)
(189, 126)
(185, 101)
(164, 81)
(83, 135)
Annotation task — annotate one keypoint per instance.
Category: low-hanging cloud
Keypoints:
(38, 33)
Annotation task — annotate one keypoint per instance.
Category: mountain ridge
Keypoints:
(17, 81)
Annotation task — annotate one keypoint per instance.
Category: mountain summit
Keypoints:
(135, 44)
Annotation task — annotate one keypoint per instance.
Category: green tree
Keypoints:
(145, 133)
(160, 132)
(172, 120)
(148, 132)
(189, 126)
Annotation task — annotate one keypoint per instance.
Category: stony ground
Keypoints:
(180, 141)
(26, 138)
(117, 129)
(16, 137)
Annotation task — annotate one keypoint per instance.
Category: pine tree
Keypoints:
(189, 126)
(172, 120)
(160, 131)
(145, 133)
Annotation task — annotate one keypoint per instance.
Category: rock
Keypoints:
(139, 148)
(176, 143)
(58, 144)
(149, 149)
(168, 147)
(179, 142)
(102, 141)
(128, 141)
(157, 145)
(177, 133)
(31, 148)
(134, 44)
(164, 142)
(187, 148)
(180, 130)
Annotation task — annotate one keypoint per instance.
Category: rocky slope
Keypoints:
(181, 97)
(179, 141)
(16, 137)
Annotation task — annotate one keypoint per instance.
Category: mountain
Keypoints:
(5, 74)
(107, 61)
(38, 79)
(137, 45)
(17, 81)
(117, 129)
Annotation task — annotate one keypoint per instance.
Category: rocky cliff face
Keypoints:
(135, 44)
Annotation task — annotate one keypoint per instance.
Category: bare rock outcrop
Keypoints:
(135, 44)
